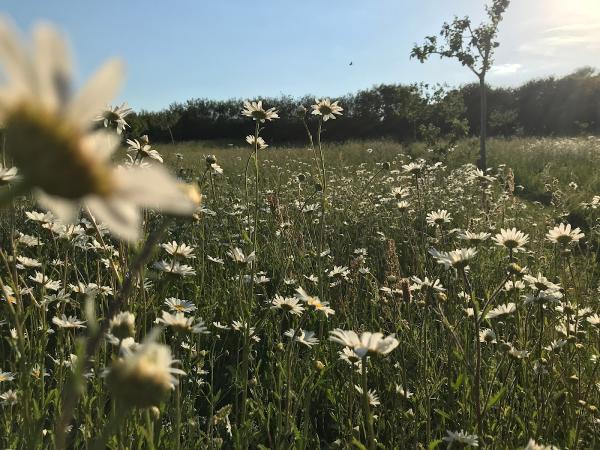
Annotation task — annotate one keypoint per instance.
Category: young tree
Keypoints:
(472, 47)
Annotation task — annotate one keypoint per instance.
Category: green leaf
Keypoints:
(358, 444)
(496, 397)
(434, 444)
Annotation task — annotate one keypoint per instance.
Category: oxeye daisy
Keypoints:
(413, 168)
(177, 305)
(474, 238)
(371, 394)
(439, 217)
(327, 109)
(61, 158)
(114, 116)
(461, 438)
(143, 150)
(7, 175)
(143, 377)
(68, 322)
(501, 310)
(512, 239)
(459, 259)
(288, 304)
(256, 142)
(303, 337)
(179, 322)
(365, 344)
(255, 111)
(564, 235)
(6, 376)
(182, 249)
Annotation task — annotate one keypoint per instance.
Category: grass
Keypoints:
(249, 385)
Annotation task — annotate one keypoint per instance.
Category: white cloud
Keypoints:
(574, 37)
(505, 69)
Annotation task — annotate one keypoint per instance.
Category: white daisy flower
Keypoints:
(53, 143)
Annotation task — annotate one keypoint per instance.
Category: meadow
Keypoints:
(247, 325)
(247, 295)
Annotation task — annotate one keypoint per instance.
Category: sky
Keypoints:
(181, 49)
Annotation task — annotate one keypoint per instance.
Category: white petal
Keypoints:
(101, 144)
(98, 91)
(65, 210)
(53, 67)
(120, 215)
(154, 188)
(14, 57)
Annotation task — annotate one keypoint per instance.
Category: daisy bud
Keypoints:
(210, 160)
(155, 412)
(301, 178)
(385, 166)
(301, 111)
(318, 187)
(573, 379)
(319, 365)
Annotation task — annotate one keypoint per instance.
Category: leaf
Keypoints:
(357, 444)
(459, 381)
(434, 444)
(442, 413)
(496, 397)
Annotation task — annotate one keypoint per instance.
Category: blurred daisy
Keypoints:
(9, 398)
(143, 376)
(302, 336)
(461, 438)
(6, 376)
(68, 322)
(7, 174)
(46, 282)
(60, 157)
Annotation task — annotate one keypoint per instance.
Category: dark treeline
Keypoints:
(550, 106)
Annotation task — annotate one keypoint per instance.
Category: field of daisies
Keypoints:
(365, 295)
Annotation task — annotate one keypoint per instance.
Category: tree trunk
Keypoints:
(171, 134)
(483, 129)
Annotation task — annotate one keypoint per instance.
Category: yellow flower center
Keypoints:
(48, 153)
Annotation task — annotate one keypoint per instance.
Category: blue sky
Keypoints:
(179, 49)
